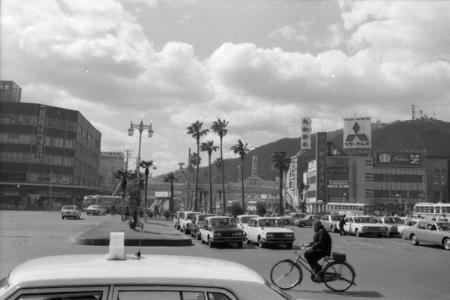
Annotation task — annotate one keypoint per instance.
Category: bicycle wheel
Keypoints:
(338, 276)
(286, 274)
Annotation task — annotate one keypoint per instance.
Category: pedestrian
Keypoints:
(341, 226)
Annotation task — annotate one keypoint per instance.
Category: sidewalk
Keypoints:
(156, 232)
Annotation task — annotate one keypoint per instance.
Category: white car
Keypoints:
(391, 224)
(407, 225)
(70, 211)
(186, 221)
(242, 220)
(221, 230)
(96, 210)
(364, 225)
(95, 277)
(331, 222)
(268, 230)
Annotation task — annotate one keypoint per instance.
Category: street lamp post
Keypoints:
(140, 127)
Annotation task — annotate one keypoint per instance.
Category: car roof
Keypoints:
(97, 269)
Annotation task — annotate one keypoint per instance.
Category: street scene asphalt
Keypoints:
(154, 232)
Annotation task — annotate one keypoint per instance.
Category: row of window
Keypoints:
(32, 120)
(29, 157)
(397, 178)
(14, 138)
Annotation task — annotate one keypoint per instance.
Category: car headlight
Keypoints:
(217, 234)
(270, 235)
(237, 233)
(288, 235)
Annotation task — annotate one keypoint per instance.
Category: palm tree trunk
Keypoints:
(223, 177)
(210, 185)
(242, 185)
(281, 211)
(196, 175)
(171, 198)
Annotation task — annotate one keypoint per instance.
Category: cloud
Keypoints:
(295, 32)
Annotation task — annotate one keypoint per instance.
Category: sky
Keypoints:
(260, 65)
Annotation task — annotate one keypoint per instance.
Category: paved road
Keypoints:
(386, 268)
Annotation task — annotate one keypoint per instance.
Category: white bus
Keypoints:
(106, 201)
(430, 210)
(348, 208)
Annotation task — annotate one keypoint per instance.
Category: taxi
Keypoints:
(134, 277)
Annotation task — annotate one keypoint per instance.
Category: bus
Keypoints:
(430, 209)
(348, 208)
(106, 201)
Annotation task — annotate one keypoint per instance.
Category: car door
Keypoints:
(250, 231)
(421, 230)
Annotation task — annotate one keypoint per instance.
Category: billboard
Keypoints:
(306, 134)
(398, 159)
(357, 133)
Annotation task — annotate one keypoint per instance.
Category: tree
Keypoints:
(281, 162)
(170, 178)
(219, 127)
(196, 130)
(146, 165)
(209, 147)
(241, 150)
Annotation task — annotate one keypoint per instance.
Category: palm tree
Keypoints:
(133, 192)
(209, 147)
(147, 165)
(219, 127)
(281, 162)
(196, 130)
(241, 150)
(170, 178)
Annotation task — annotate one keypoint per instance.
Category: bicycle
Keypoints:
(337, 274)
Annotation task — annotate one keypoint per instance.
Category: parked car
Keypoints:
(307, 221)
(96, 210)
(430, 232)
(70, 211)
(405, 229)
(391, 224)
(221, 229)
(186, 221)
(199, 221)
(364, 225)
(176, 219)
(94, 277)
(331, 222)
(268, 230)
(242, 220)
(292, 217)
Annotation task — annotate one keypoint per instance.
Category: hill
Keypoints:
(429, 135)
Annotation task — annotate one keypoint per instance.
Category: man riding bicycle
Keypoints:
(320, 247)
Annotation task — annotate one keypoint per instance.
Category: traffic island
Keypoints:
(156, 232)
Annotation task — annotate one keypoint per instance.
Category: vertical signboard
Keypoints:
(306, 134)
(357, 133)
(321, 158)
(40, 130)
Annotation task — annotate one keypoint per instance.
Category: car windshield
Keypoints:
(392, 220)
(445, 226)
(268, 223)
(223, 222)
(336, 218)
(366, 220)
(190, 216)
(245, 219)
(69, 207)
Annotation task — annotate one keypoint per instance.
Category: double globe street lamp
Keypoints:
(140, 128)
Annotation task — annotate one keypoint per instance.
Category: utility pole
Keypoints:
(127, 156)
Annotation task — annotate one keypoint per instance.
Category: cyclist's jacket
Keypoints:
(322, 241)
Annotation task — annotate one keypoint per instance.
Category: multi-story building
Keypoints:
(9, 91)
(49, 156)
(110, 162)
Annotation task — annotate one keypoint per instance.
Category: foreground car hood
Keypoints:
(277, 229)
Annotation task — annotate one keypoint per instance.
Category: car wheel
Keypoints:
(210, 243)
(357, 233)
(414, 240)
(202, 240)
(301, 224)
(260, 242)
(446, 244)
(198, 236)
